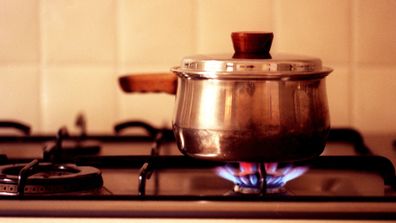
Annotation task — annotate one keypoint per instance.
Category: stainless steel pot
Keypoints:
(250, 106)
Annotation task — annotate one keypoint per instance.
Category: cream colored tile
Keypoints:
(68, 91)
(375, 32)
(155, 33)
(339, 96)
(124, 70)
(216, 19)
(374, 102)
(156, 109)
(79, 31)
(19, 92)
(19, 34)
(316, 28)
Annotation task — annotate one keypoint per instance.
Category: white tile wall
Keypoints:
(374, 104)
(375, 33)
(60, 57)
(78, 32)
(216, 19)
(19, 31)
(19, 94)
(155, 32)
(320, 28)
(339, 96)
(374, 65)
(68, 91)
(153, 36)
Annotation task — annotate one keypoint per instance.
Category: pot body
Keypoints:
(252, 119)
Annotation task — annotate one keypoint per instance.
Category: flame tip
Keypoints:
(248, 174)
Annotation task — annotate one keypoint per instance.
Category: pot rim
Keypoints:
(278, 66)
(246, 75)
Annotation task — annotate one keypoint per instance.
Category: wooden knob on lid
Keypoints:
(251, 45)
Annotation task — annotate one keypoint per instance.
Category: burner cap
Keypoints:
(49, 178)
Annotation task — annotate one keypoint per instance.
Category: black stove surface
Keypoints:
(145, 172)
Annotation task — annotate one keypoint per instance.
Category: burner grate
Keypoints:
(47, 178)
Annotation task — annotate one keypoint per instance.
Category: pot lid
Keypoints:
(251, 60)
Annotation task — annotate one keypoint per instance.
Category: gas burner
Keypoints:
(259, 178)
(47, 178)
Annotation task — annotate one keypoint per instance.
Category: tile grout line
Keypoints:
(195, 14)
(275, 13)
(197, 27)
(118, 55)
(41, 65)
(352, 68)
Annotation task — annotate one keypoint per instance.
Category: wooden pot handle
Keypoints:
(149, 83)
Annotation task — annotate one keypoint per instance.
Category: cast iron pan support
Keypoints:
(263, 179)
(25, 129)
(148, 168)
(53, 153)
(23, 175)
(145, 173)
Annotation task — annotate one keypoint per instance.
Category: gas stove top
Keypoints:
(144, 175)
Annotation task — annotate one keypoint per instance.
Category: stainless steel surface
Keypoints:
(219, 209)
(279, 66)
(336, 194)
(246, 120)
(249, 106)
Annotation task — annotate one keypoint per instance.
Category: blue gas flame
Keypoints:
(248, 175)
